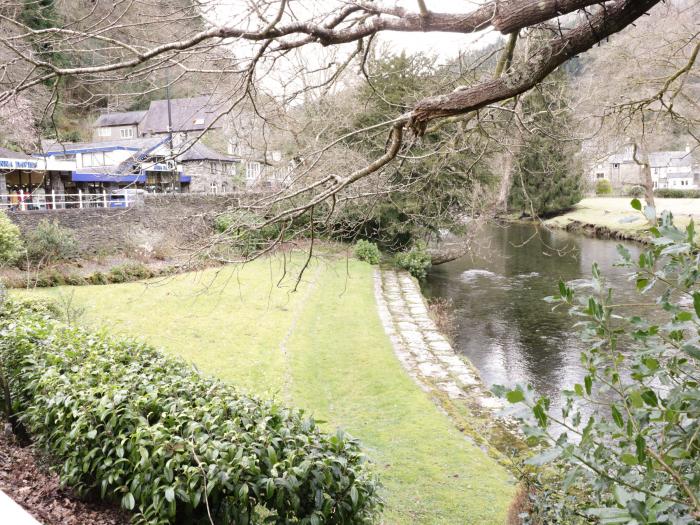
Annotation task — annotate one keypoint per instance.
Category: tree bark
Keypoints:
(616, 16)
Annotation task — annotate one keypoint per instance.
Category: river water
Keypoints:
(503, 325)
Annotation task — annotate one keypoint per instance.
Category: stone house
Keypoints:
(116, 126)
(674, 169)
(669, 169)
(209, 171)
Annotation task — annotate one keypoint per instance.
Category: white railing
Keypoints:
(21, 201)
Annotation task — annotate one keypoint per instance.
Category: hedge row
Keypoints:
(128, 423)
(670, 193)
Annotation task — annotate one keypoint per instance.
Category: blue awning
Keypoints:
(107, 177)
(185, 178)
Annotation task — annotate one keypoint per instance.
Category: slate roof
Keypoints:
(122, 118)
(187, 114)
(673, 159)
(9, 154)
(199, 151)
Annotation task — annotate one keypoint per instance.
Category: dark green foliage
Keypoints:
(39, 14)
(426, 194)
(635, 191)
(603, 187)
(50, 242)
(416, 261)
(126, 423)
(367, 251)
(547, 175)
(11, 245)
(246, 231)
(128, 272)
(629, 451)
(669, 193)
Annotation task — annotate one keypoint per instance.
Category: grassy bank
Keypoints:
(617, 216)
(323, 349)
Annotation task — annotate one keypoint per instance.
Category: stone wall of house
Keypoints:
(163, 223)
(207, 175)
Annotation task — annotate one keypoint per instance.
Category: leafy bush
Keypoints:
(11, 245)
(98, 278)
(50, 241)
(635, 191)
(367, 251)
(416, 261)
(128, 272)
(245, 230)
(603, 187)
(669, 193)
(624, 448)
(49, 278)
(132, 425)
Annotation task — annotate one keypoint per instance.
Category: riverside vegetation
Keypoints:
(127, 422)
(322, 349)
(635, 458)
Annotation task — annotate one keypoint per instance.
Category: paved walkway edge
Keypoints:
(429, 359)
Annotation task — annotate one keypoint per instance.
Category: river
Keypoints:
(496, 292)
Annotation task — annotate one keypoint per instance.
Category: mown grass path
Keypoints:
(339, 366)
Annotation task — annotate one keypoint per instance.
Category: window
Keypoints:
(126, 133)
(104, 132)
(252, 170)
(96, 158)
(600, 175)
(213, 188)
(616, 165)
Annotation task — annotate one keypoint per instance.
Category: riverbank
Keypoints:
(614, 218)
(323, 349)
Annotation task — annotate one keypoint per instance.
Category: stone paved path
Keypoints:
(430, 360)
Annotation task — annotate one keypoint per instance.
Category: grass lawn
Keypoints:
(616, 214)
(323, 349)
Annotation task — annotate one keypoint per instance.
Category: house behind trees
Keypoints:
(669, 170)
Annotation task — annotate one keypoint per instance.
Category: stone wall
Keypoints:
(163, 223)
(207, 175)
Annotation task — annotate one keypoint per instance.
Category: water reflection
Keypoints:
(503, 325)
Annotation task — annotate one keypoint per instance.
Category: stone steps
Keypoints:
(420, 347)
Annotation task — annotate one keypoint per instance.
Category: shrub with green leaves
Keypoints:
(11, 245)
(625, 448)
(50, 242)
(245, 230)
(367, 251)
(130, 424)
(416, 261)
(128, 272)
(670, 193)
(603, 187)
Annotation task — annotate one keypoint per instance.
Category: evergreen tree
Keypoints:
(431, 189)
(548, 175)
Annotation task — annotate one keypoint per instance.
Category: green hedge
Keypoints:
(128, 423)
(669, 193)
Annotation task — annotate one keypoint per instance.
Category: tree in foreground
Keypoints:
(626, 446)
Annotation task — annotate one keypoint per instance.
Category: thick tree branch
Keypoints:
(616, 16)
